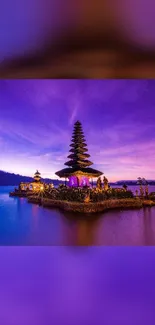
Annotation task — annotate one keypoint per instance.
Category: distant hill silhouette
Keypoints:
(134, 182)
(10, 179)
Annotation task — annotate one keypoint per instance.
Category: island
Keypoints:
(79, 193)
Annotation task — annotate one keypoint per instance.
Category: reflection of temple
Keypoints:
(79, 171)
(79, 232)
(36, 185)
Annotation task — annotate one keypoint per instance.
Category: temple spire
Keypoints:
(78, 170)
(37, 176)
(78, 156)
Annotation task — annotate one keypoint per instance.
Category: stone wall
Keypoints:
(34, 199)
(93, 207)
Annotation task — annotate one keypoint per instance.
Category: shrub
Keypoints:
(79, 194)
(97, 196)
(152, 196)
(62, 186)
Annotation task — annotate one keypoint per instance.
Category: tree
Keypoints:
(137, 193)
(146, 190)
(141, 182)
(144, 181)
(125, 187)
(79, 155)
(141, 191)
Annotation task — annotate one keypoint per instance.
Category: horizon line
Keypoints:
(58, 179)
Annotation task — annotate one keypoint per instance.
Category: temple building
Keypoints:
(78, 172)
(35, 185)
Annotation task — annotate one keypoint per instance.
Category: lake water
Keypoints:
(75, 285)
(22, 223)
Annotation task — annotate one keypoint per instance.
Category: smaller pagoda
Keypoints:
(35, 185)
(37, 177)
(79, 171)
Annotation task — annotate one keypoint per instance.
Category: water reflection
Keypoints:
(118, 228)
(4, 197)
(80, 232)
(22, 223)
(149, 234)
(19, 210)
(35, 210)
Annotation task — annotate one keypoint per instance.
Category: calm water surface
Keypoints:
(22, 223)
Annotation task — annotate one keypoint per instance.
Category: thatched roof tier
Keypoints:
(37, 177)
(37, 173)
(78, 123)
(79, 163)
(78, 137)
(79, 156)
(78, 150)
(77, 131)
(82, 145)
(87, 172)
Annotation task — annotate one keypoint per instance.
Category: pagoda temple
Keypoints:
(37, 176)
(35, 185)
(79, 171)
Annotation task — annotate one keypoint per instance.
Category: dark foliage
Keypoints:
(125, 186)
(119, 194)
(79, 194)
(151, 196)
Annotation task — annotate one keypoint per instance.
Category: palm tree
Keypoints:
(141, 182)
(144, 181)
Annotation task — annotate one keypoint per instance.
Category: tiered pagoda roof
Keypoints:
(37, 176)
(78, 163)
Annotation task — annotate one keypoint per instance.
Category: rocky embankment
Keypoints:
(34, 199)
(148, 203)
(92, 207)
(89, 207)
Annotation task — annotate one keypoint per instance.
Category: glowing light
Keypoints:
(83, 181)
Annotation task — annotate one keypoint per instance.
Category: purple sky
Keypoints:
(70, 286)
(37, 116)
